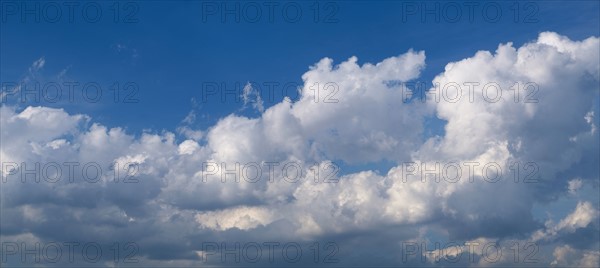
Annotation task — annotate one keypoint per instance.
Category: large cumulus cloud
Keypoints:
(350, 112)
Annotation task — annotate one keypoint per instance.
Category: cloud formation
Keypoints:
(165, 193)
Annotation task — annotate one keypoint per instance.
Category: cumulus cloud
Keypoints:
(188, 147)
(243, 218)
(163, 192)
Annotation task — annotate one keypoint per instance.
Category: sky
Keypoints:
(241, 133)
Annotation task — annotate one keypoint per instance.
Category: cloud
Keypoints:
(248, 93)
(25, 81)
(574, 185)
(158, 191)
(188, 147)
(567, 256)
(38, 64)
(243, 218)
(585, 213)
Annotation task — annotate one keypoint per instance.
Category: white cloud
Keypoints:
(584, 214)
(348, 112)
(575, 185)
(243, 218)
(566, 256)
(250, 95)
(188, 147)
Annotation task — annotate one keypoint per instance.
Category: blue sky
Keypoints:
(170, 54)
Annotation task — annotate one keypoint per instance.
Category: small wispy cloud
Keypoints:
(38, 64)
(252, 96)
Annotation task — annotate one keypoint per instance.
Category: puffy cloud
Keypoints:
(339, 113)
(564, 73)
(164, 192)
(568, 256)
(342, 107)
(188, 147)
(529, 131)
(243, 218)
